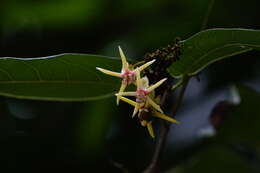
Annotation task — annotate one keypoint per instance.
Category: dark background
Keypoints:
(37, 136)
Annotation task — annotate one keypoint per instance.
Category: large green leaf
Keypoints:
(209, 46)
(65, 77)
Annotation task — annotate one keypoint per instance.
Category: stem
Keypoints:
(181, 94)
(153, 167)
(177, 85)
(206, 18)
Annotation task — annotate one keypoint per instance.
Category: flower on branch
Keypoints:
(144, 104)
(143, 93)
(146, 112)
(128, 74)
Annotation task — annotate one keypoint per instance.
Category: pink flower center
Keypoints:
(141, 95)
(128, 76)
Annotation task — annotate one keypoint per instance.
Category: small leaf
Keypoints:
(209, 46)
(64, 77)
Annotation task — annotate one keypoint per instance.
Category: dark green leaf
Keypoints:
(212, 45)
(65, 77)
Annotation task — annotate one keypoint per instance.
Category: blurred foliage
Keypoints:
(62, 136)
(94, 125)
(218, 159)
(242, 125)
(59, 13)
(235, 146)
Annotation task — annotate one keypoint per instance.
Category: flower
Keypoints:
(145, 113)
(144, 103)
(128, 74)
(143, 93)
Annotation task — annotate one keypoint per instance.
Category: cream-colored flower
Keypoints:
(144, 104)
(127, 74)
(143, 93)
(151, 111)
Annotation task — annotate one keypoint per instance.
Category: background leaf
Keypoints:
(65, 77)
(218, 159)
(212, 45)
(236, 143)
(243, 124)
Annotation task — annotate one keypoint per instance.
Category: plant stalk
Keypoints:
(165, 127)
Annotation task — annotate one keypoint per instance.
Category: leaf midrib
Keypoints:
(77, 99)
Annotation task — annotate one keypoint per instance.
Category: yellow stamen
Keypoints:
(108, 72)
(123, 58)
(154, 86)
(144, 82)
(142, 67)
(165, 117)
(131, 102)
(150, 129)
(122, 88)
(154, 105)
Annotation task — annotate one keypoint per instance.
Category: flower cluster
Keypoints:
(144, 104)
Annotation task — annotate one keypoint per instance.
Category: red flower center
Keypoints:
(128, 76)
(141, 95)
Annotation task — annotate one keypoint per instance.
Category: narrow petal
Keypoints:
(131, 102)
(122, 88)
(150, 129)
(108, 72)
(154, 105)
(154, 86)
(142, 67)
(165, 117)
(123, 58)
(128, 93)
(135, 110)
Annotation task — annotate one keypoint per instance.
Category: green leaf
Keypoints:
(64, 77)
(209, 46)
